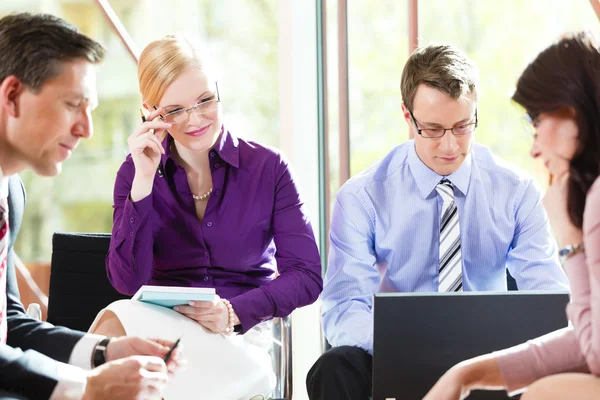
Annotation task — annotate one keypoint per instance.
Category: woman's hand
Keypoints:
(212, 315)
(555, 203)
(449, 387)
(146, 150)
(144, 145)
(480, 372)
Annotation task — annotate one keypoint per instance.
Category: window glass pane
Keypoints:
(80, 199)
(377, 50)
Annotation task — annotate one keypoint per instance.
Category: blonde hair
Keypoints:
(161, 63)
(442, 67)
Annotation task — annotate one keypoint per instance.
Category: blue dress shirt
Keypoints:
(385, 236)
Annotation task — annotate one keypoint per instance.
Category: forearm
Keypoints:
(277, 298)
(130, 258)
(348, 322)
(129, 266)
(141, 187)
(481, 372)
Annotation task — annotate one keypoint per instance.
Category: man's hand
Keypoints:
(126, 346)
(131, 378)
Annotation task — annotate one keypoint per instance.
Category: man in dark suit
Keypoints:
(47, 92)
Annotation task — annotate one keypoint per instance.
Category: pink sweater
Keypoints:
(577, 347)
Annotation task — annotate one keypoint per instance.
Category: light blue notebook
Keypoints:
(171, 296)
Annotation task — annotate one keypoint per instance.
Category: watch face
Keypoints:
(564, 252)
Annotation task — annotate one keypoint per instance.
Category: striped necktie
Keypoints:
(450, 269)
(3, 257)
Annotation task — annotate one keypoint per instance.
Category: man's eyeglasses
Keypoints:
(204, 106)
(436, 133)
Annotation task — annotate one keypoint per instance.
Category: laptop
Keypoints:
(419, 336)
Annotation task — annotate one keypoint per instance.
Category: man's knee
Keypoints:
(339, 359)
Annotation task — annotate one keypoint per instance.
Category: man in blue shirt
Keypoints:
(438, 213)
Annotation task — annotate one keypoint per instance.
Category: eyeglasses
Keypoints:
(205, 106)
(530, 123)
(436, 133)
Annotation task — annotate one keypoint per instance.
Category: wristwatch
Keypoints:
(99, 355)
(569, 250)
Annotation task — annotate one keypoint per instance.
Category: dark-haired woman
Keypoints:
(560, 91)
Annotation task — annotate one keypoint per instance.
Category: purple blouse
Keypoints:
(255, 245)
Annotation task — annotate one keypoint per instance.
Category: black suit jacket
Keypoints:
(28, 361)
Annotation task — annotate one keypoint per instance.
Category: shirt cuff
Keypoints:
(252, 308)
(71, 385)
(140, 208)
(81, 356)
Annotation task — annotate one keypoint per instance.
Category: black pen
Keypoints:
(144, 120)
(168, 355)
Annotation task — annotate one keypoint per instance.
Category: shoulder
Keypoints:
(251, 150)
(594, 192)
(256, 157)
(500, 173)
(360, 192)
(591, 214)
(381, 172)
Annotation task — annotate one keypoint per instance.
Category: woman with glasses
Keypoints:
(197, 206)
(560, 91)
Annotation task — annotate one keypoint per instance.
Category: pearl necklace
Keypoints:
(202, 196)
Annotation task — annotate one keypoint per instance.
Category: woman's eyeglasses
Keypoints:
(204, 106)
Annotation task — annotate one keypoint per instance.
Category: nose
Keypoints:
(195, 118)
(534, 152)
(448, 143)
(84, 127)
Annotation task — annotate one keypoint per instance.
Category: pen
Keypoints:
(144, 120)
(162, 137)
(168, 355)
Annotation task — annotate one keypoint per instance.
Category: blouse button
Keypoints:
(206, 279)
(217, 165)
(209, 224)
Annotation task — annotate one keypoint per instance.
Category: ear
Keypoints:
(146, 106)
(11, 89)
(409, 121)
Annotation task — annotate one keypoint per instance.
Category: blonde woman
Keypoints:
(202, 207)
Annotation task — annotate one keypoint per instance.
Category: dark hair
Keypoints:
(567, 75)
(33, 46)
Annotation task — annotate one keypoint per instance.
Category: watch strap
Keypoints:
(99, 356)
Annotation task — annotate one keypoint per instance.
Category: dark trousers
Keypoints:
(344, 373)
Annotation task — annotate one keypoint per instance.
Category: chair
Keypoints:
(79, 289)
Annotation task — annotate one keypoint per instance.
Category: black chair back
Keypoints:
(79, 286)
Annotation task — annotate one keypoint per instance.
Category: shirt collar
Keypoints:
(227, 147)
(427, 179)
(3, 185)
